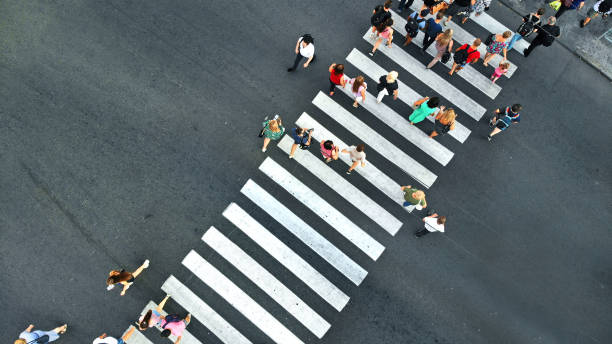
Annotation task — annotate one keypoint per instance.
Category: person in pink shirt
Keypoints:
(499, 71)
(173, 325)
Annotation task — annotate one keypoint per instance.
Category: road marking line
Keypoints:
(286, 256)
(239, 299)
(406, 94)
(137, 337)
(266, 282)
(374, 140)
(469, 74)
(345, 189)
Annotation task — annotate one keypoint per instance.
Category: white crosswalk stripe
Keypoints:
(469, 74)
(187, 337)
(345, 189)
(304, 232)
(406, 94)
(370, 172)
(430, 78)
(287, 257)
(323, 209)
(403, 127)
(376, 141)
(201, 311)
(137, 337)
(493, 26)
(462, 36)
(266, 281)
(239, 299)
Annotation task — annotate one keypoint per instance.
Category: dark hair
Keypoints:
(120, 276)
(307, 38)
(439, 16)
(516, 108)
(144, 323)
(441, 220)
(541, 11)
(387, 23)
(165, 333)
(360, 147)
(328, 144)
(299, 131)
(424, 13)
(433, 102)
(388, 4)
(339, 68)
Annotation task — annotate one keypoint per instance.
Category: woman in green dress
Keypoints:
(272, 130)
(423, 108)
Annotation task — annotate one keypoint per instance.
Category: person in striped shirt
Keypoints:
(503, 119)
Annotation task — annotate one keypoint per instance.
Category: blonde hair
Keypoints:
(420, 195)
(358, 83)
(273, 125)
(392, 76)
(448, 116)
(20, 341)
(446, 37)
(507, 34)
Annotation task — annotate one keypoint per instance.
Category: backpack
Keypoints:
(412, 26)
(445, 57)
(379, 16)
(40, 340)
(170, 318)
(526, 28)
(461, 56)
(490, 39)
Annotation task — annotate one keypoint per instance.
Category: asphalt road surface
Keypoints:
(127, 127)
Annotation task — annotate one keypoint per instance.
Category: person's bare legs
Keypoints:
(161, 305)
(355, 163)
(488, 57)
(188, 319)
(126, 286)
(433, 133)
(293, 148)
(265, 144)
(408, 40)
(334, 154)
(60, 329)
(141, 268)
(376, 45)
(495, 132)
(128, 334)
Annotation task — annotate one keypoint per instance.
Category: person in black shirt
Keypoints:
(526, 29)
(457, 6)
(387, 84)
(546, 35)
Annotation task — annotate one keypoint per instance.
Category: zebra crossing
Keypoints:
(334, 236)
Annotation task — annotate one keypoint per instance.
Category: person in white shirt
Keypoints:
(603, 7)
(433, 223)
(304, 48)
(104, 339)
(357, 156)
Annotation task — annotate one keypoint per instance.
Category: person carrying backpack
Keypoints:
(465, 54)
(529, 25)
(502, 119)
(602, 6)
(415, 22)
(174, 325)
(40, 337)
(380, 15)
(546, 35)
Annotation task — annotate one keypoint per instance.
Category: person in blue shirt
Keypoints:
(432, 29)
(301, 137)
(503, 119)
(412, 30)
(29, 336)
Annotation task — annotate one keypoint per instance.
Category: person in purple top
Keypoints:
(569, 5)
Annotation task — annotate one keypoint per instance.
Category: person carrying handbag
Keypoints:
(414, 198)
(272, 130)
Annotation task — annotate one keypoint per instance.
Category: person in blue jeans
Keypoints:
(432, 29)
(104, 339)
(503, 119)
(527, 29)
(301, 137)
(29, 336)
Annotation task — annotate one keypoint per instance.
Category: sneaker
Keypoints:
(371, 53)
(378, 101)
(290, 156)
(263, 150)
(110, 287)
(582, 23)
(290, 69)
(489, 137)
(348, 172)
(145, 264)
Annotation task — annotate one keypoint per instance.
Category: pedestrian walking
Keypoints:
(479, 7)
(499, 71)
(414, 198)
(458, 7)
(416, 21)
(464, 55)
(529, 25)
(404, 4)
(124, 278)
(336, 77)
(603, 7)
(497, 46)
(301, 137)
(304, 49)
(29, 336)
(387, 84)
(433, 223)
(438, 6)
(502, 119)
(432, 29)
(546, 36)
(329, 151)
(569, 5)
(358, 87)
(380, 15)
(272, 130)
(445, 122)
(173, 324)
(357, 155)
(423, 108)
(104, 339)
(385, 31)
(444, 45)
(153, 317)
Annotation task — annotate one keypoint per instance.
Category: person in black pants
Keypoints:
(404, 4)
(304, 49)
(432, 29)
(546, 35)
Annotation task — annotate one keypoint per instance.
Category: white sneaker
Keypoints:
(145, 264)
(263, 149)
(290, 156)
(110, 287)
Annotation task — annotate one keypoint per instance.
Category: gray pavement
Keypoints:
(127, 127)
(593, 43)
